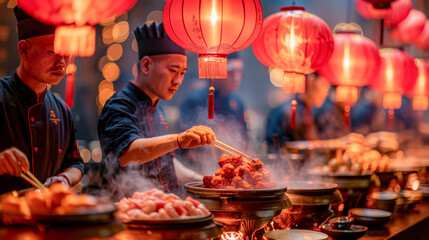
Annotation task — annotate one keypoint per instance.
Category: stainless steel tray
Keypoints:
(196, 189)
(189, 221)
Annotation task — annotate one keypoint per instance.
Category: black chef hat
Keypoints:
(153, 40)
(29, 27)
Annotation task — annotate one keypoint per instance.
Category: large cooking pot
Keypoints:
(244, 210)
(311, 204)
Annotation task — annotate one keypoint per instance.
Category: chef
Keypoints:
(37, 132)
(133, 129)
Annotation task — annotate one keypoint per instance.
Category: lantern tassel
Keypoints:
(391, 113)
(293, 115)
(70, 90)
(71, 70)
(347, 117)
(211, 102)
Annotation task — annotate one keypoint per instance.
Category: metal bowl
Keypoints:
(295, 234)
(341, 223)
(370, 217)
(354, 232)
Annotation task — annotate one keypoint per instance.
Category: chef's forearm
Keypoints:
(147, 149)
(73, 175)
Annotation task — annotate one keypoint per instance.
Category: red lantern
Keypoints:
(392, 15)
(213, 29)
(420, 91)
(380, 4)
(397, 75)
(353, 64)
(422, 42)
(295, 41)
(75, 34)
(410, 28)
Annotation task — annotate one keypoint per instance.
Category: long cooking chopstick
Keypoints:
(30, 181)
(234, 150)
(29, 174)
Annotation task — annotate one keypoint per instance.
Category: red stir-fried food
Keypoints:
(234, 173)
(57, 199)
(155, 204)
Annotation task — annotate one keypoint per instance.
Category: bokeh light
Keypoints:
(154, 16)
(114, 52)
(120, 31)
(134, 70)
(96, 154)
(85, 154)
(277, 97)
(276, 77)
(107, 33)
(102, 62)
(111, 71)
(134, 46)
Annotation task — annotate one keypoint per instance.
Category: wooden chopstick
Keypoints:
(29, 174)
(32, 180)
(233, 149)
(222, 149)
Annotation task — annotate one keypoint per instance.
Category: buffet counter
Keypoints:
(413, 224)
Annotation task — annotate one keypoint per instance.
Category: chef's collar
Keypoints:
(141, 95)
(29, 96)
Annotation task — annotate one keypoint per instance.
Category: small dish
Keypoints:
(370, 217)
(341, 223)
(295, 234)
(354, 232)
(385, 200)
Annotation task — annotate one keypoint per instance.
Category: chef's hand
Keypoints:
(56, 179)
(13, 162)
(195, 137)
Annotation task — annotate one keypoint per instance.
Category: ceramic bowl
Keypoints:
(354, 232)
(341, 222)
(370, 217)
(295, 234)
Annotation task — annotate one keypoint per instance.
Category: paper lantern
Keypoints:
(213, 29)
(295, 41)
(75, 20)
(392, 15)
(420, 91)
(397, 75)
(422, 41)
(353, 64)
(410, 28)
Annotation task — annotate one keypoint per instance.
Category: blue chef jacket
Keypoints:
(129, 115)
(42, 129)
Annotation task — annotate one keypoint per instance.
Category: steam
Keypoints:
(204, 159)
(123, 182)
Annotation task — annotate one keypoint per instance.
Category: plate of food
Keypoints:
(56, 205)
(156, 209)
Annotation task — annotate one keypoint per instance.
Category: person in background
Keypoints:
(37, 129)
(228, 120)
(278, 123)
(133, 130)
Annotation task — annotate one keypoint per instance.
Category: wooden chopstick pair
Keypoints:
(30, 178)
(226, 148)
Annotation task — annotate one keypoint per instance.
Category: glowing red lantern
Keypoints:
(397, 75)
(297, 42)
(410, 28)
(392, 15)
(213, 29)
(422, 42)
(353, 64)
(420, 91)
(75, 34)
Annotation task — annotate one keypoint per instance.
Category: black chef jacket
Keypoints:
(42, 129)
(129, 115)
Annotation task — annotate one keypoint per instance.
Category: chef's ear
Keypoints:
(23, 48)
(145, 64)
